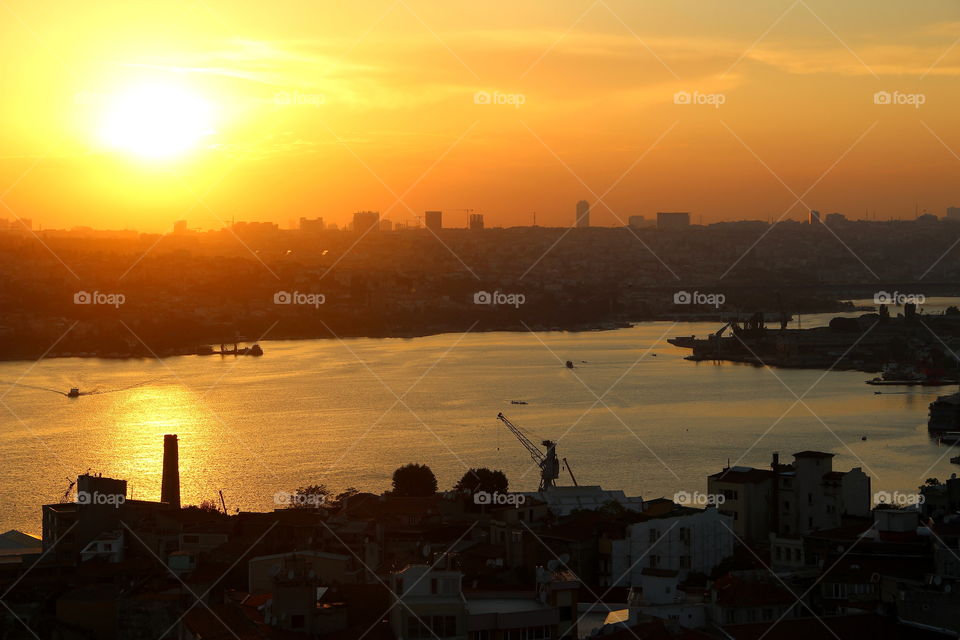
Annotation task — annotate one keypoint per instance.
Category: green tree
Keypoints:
(414, 480)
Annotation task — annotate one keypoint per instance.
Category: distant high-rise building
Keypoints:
(386, 225)
(673, 219)
(953, 213)
(814, 217)
(180, 227)
(311, 226)
(583, 214)
(364, 221)
(476, 222)
(433, 220)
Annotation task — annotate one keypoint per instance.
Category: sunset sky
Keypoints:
(120, 114)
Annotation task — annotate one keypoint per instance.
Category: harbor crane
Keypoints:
(548, 462)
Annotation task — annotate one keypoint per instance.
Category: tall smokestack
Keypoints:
(170, 485)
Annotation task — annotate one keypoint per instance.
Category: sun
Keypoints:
(156, 121)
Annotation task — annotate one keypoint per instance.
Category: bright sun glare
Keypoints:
(155, 121)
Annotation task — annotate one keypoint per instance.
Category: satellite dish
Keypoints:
(564, 558)
(274, 570)
(948, 588)
(426, 551)
(937, 580)
(290, 574)
(552, 565)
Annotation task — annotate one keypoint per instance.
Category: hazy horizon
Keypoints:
(130, 115)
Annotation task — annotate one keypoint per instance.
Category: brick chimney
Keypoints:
(170, 485)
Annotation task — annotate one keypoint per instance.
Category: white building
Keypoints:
(563, 501)
(686, 540)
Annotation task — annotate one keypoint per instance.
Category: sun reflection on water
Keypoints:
(136, 424)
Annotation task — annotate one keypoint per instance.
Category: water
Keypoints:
(326, 411)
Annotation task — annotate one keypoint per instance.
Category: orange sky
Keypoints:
(321, 109)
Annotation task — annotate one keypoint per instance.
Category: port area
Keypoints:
(912, 348)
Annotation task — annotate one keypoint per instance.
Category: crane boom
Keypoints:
(548, 462)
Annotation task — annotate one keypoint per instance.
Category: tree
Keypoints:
(483, 479)
(312, 496)
(414, 480)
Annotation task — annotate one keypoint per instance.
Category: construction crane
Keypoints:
(548, 462)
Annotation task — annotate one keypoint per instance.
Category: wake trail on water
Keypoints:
(92, 392)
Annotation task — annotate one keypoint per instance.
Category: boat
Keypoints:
(945, 413)
(569, 364)
(955, 459)
(253, 350)
(518, 402)
(74, 392)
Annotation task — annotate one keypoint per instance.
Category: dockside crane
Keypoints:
(548, 462)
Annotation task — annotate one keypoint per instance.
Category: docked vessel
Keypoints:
(945, 413)
(73, 393)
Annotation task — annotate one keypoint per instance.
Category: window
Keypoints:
(684, 562)
(433, 585)
(786, 505)
(566, 613)
(297, 621)
(685, 535)
(191, 539)
(731, 494)
(654, 561)
(768, 614)
(654, 534)
(516, 536)
(778, 552)
(427, 627)
(810, 499)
